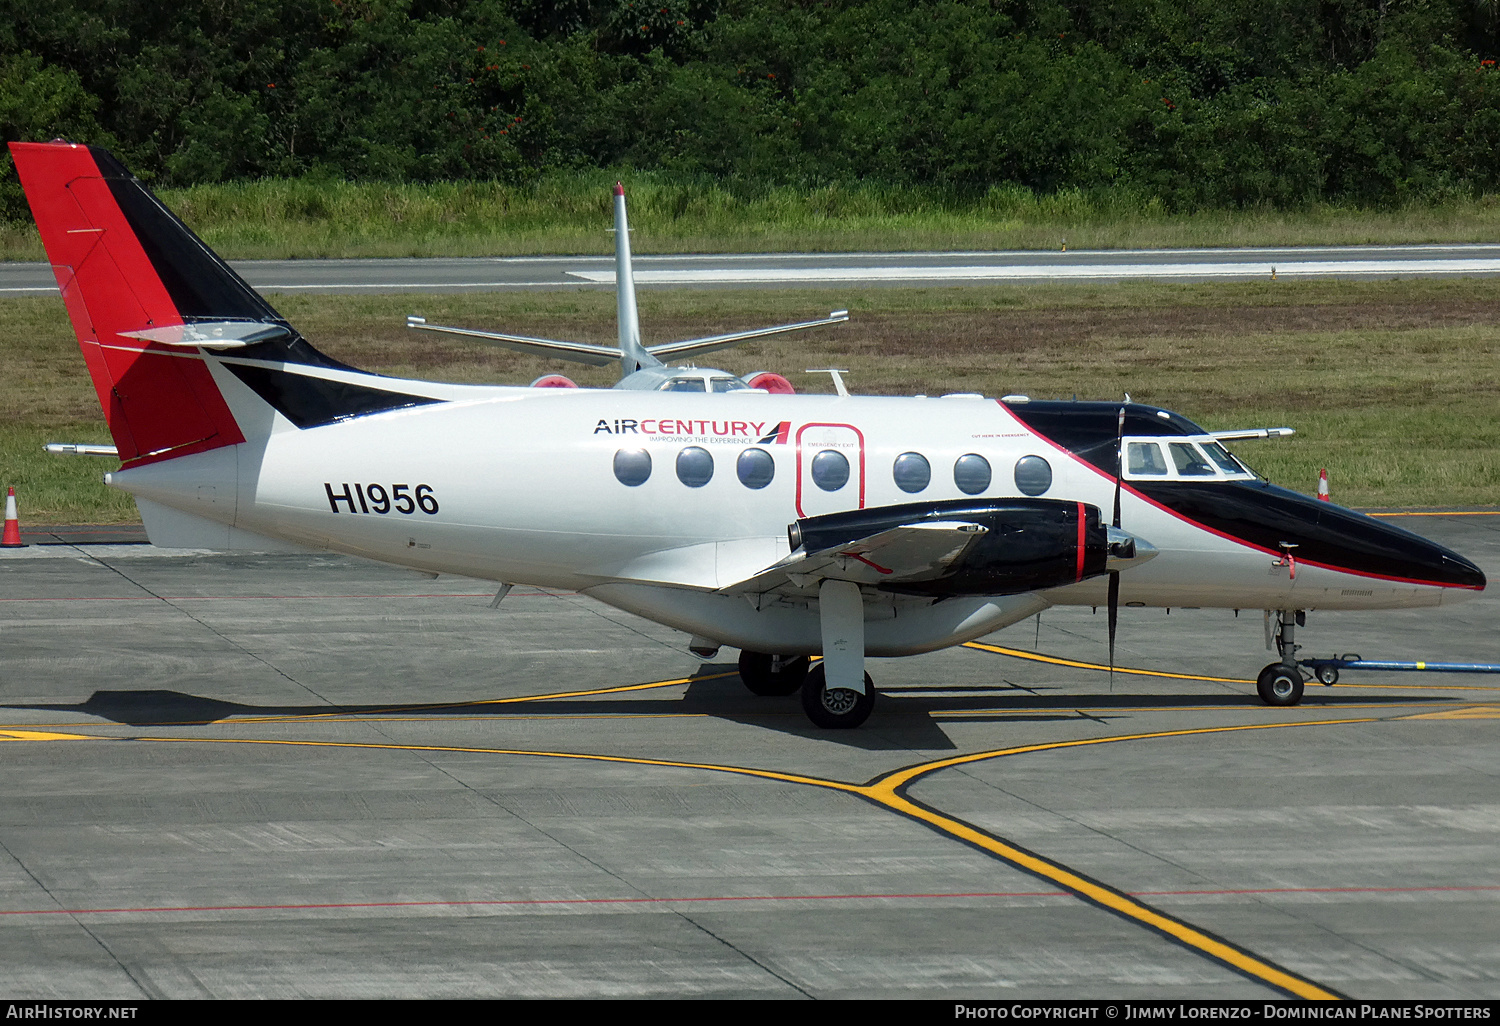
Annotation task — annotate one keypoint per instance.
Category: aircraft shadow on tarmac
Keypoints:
(906, 716)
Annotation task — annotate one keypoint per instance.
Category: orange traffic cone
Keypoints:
(1323, 486)
(12, 536)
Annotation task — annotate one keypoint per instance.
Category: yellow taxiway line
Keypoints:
(889, 792)
(1038, 657)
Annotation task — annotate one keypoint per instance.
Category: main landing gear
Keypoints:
(1281, 683)
(836, 708)
(830, 708)
(837, 693)
(772, 675)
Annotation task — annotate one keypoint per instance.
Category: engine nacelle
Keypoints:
(1028, 544)
(553, 381)
(773, 383)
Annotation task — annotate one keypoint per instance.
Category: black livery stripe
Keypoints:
(201, 285)
(1253, 512)
(1267, 516)
(1087, 429)
(310, 402)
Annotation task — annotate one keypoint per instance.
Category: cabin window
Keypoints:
(727, 384)
(830, 470)
(911, 471)
(692, 384)
(1033, 475)
(632, 466)
(695, 467)
(756, 468)
(1221, 456)
(971, 473)
(1145, 459)
(1189, 461)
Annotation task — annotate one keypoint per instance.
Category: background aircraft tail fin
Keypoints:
(633, 355)
(136, 281)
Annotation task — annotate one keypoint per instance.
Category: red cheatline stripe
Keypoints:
(535, 902)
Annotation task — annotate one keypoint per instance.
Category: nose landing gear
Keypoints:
(1281, 683)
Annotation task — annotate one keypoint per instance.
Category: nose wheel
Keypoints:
(1278, 685)
(1281, 683)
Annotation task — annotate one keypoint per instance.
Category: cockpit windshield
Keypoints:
(702, 383)
(1189, 461)
(1221, 456)
(1167, 458)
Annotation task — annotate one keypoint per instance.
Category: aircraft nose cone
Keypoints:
(1324, 534)
(1462, 572)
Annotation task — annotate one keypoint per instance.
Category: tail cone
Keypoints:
(12, 537)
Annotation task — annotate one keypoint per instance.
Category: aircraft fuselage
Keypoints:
(521, 485)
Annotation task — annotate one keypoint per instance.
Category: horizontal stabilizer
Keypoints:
(80, 449)
(694, 346)
(213, 334)
(900, 555)
(578, 352)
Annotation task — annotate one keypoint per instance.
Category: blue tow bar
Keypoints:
(1327, 670)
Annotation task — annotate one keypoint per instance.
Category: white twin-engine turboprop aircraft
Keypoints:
(784, 525)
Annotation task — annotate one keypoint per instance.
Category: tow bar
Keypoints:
(1327, 670)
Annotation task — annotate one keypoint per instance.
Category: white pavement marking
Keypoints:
(404, 285)
(1301, 268)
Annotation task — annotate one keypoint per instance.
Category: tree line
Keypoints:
(1192, 103)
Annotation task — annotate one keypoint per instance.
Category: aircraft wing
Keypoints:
(694, 346)
(898, 555)
(578, 352)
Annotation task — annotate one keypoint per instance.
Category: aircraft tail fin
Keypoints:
(634, 355)
(144, 294)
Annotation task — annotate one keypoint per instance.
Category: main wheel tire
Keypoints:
(757, 670)
(835, 708)
(1279, 685)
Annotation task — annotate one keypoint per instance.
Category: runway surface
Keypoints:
(855, 269)
(289, 776)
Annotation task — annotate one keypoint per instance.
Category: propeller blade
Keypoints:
(1114, 619)
(1114, 575)
(1119, 461)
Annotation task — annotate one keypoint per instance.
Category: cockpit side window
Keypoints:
(725, 384)
(693, 384)
(1189, 461)
(1145, 459)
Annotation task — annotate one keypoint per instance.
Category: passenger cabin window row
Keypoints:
(829, 470)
